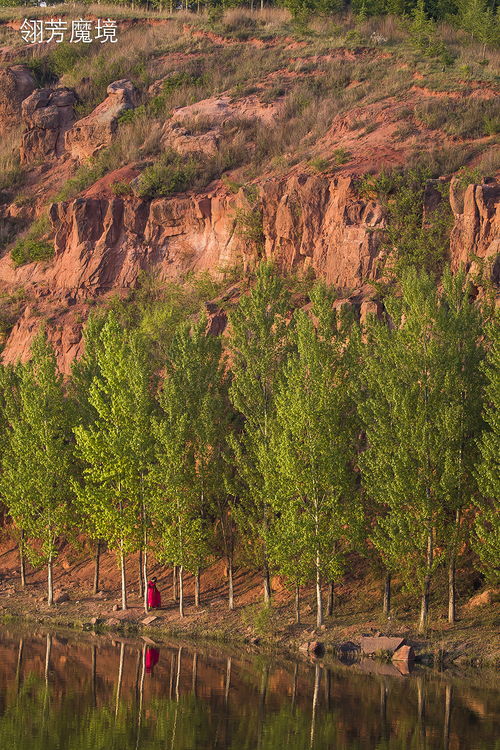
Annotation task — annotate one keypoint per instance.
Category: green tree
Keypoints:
(190, 436)
(258, 345)
(9, 406)
(479, 19)
(462, 386)
(403, 413)
(487, 530)
(37, 463)
(311, 456)
(116, 448)
(83, 371)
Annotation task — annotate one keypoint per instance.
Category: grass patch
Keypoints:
(474, 118)
(29, 251)
(33, 246)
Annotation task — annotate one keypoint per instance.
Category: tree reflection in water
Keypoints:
(123, 695)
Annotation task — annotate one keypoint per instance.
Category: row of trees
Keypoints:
(467, 13)
(304, 438)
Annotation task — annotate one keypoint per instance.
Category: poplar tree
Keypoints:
(83, 371)
(460, 426)
(116, 448)
(258, 344)
(37, 463)
(311, 456)
(190, 436)
(487, 529)
(9, 383)
(402, 411)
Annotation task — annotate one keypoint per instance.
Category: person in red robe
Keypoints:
(152, 658)
(154, 596)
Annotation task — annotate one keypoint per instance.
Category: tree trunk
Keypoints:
(124, 581)
(447, 715)
(297, 604)
(94, 675)
(179, 658)
(50, 585)
(174, 583)
(319, 601)
(194, 674)
(267, 584)
(19, 664)
(120, 678)
(452, 591)
(317, 675)
(97, 565)
(424, 607)
(141, 580)
(22, 562)
(331, 598)
(197, 588)
(387, 594)
(181, 591)
(144, 574)
(230, 582)
(228, 679)
(48, 650)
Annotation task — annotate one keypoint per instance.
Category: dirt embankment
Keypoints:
(357, 610)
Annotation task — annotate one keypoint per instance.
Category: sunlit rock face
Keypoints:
(16, 83)
(46, 116)
(96, 131)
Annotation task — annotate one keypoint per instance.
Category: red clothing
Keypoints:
(154, 596)
(152, 657)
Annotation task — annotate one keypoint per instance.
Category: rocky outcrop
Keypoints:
(307, 221)
(16, 83)
(46, 116)
(103, 242)
(201, 127)
(476, 231)
(96, 131)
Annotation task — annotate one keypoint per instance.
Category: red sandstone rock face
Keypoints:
(102, 242)
(96, 131)
(16, 83)
(308, 220)
(46, 115)
(477, 227)
(318, 222)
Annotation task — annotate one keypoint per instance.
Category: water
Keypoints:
(96, 693)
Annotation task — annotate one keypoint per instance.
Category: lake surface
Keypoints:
(95, 693)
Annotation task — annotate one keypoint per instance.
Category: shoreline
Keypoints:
(444, 650)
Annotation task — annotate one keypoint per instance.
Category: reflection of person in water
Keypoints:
(151, 659)
(154, 596)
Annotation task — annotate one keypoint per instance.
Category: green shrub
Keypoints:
(341, 156)
(262, 619)
(172, 173)
(319, 164)
(85, 176)
(28, 251)
(121, 188)
(11, 306)
(248, 225)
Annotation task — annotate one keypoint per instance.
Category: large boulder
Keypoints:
(46, 116)
(16, 83)
(380, 644)
(96, 131)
